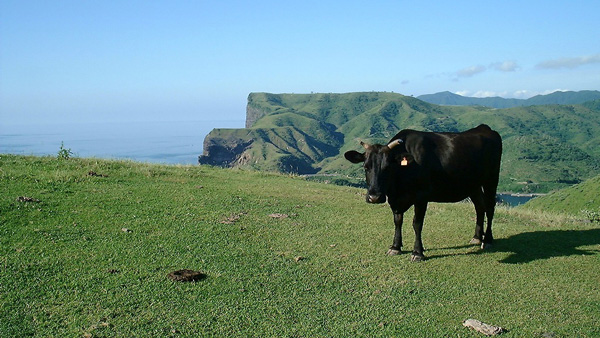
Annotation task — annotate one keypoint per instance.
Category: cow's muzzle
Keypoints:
(375, 198)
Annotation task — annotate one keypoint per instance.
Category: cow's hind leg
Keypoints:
(417, 254)
(490, 206)
(396, 247)
(478, 201)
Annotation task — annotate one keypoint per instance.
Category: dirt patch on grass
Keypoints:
(186, 275)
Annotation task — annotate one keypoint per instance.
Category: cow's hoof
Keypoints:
(393, 252)
(415, 257)
(485, 245)
(475, 241)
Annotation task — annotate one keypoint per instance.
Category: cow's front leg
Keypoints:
(417, 254)
(397, 244)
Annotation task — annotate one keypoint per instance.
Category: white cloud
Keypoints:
(546, 92)
(572, 62)
(522, 94)
(470, 71)
(487, 93)
(480, 93)
(463, 92)
(506, 66)
(525, 94)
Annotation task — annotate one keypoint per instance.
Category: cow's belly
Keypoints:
(448, 197)
(450, 191)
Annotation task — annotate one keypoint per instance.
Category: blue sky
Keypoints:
(76, 61)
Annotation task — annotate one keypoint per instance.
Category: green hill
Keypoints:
(581, 200)
(86, 246)
(546, 147)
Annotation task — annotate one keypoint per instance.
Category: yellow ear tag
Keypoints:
(404, 162)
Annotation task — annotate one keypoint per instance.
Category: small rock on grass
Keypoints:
(486, 329)
(278, 215)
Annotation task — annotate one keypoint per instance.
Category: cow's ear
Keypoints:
(354, 156)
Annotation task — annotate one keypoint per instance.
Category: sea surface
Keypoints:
(514, 200)
(175, 142)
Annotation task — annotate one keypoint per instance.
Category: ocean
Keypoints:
(175, 142)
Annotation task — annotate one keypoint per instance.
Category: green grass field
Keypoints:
(68, 268)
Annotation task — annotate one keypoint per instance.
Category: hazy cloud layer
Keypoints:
(570, 63)
(481, 93)
(518, 94)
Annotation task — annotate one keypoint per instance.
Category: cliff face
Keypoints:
(252, 115)
(223, 151)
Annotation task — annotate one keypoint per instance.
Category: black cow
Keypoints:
(416, 167)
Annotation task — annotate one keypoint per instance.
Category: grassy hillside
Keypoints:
(582, 200)
(86, 244)
(546, 147)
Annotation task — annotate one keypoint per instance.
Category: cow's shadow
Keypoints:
(531, 246)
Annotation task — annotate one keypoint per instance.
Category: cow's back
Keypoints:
(452, 165)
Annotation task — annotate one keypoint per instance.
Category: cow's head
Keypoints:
(378, 162)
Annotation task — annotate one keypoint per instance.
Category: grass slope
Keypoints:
(578, 200)
(69, 270)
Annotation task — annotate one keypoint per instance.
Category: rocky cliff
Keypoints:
(275, 138)
(226, 147)
(224, 151)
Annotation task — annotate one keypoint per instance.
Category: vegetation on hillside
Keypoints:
(545, 147)
(581, 200)
(86, 246)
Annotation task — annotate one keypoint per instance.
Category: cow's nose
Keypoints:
(373, 198)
